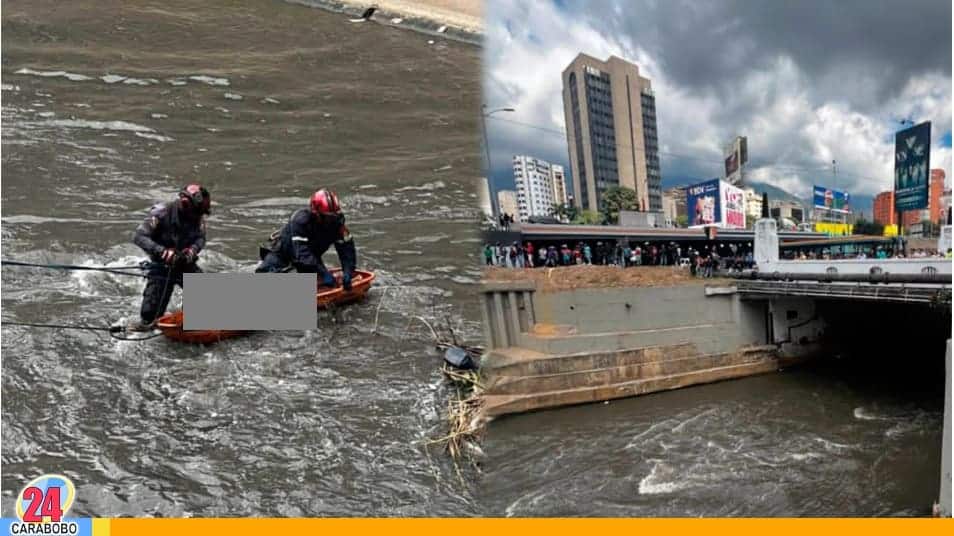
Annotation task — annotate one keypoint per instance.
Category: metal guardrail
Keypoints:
(933, 295)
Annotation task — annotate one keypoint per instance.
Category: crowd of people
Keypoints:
(703, 263)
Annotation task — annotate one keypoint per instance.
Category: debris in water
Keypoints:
(233, 96)
(430, 42)
(366, 15)
(442, 29)
(326, 114)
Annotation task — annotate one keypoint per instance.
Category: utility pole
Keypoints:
(484, 114)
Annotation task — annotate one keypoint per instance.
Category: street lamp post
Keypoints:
(484, 114)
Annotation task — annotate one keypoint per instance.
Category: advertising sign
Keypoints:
(736, 155)
(829, 199)
(703, 203)
(912, 160)
(731, 164)
(733, 206)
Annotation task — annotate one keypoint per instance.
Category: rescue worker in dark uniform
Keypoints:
(305, 238)
(172, 235)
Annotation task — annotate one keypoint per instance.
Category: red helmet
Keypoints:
(195, 198)
(325, 202)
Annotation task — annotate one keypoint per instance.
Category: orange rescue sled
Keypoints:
(171, 323)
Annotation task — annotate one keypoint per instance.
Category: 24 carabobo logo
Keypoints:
(42, 505)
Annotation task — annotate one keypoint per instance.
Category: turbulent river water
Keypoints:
(110, 106)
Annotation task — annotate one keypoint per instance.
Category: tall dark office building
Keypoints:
(611, 131)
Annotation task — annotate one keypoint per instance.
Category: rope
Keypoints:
(111, 329)
(120, 270)
(114, 331)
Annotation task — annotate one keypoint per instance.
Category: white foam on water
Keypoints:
(444, 168)
(831, 444)
(111, 127)
(9, 87)
(269, 100)
(210, 80)
(101, 125)
(366, 186)
(429, 186)
(862, 415)
(157, 137)
(233, 96)
(428, 238)
(223, 110)
(81, 105)
(177, 82)
(46, 114)
(28, 219)
(55, 74)
(112, 78)
(658, 481)
(140, 81)
(158, 116)
(802, 456)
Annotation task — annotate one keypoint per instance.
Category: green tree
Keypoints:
(615, 199)
(564, 212)
(588, 217)
(865, 227)
(682, 220)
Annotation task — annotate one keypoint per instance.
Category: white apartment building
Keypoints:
(540, 186)
(507, 202)
(753, 205)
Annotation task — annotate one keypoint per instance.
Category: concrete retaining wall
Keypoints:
(626, 318)
(559, 348)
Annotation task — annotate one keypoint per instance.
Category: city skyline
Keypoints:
(753, 74)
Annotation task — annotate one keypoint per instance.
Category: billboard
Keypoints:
(830, 199)
(912, 160)
(733, 206)
(703, 203)
(736, 155)
(715, 202)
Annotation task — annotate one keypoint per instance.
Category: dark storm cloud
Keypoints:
(711, 44)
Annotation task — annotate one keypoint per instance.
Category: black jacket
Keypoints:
(305, 238)
(167, 227)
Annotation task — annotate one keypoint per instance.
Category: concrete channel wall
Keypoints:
(548, 349)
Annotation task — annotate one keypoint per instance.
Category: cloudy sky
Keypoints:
(806, 81)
